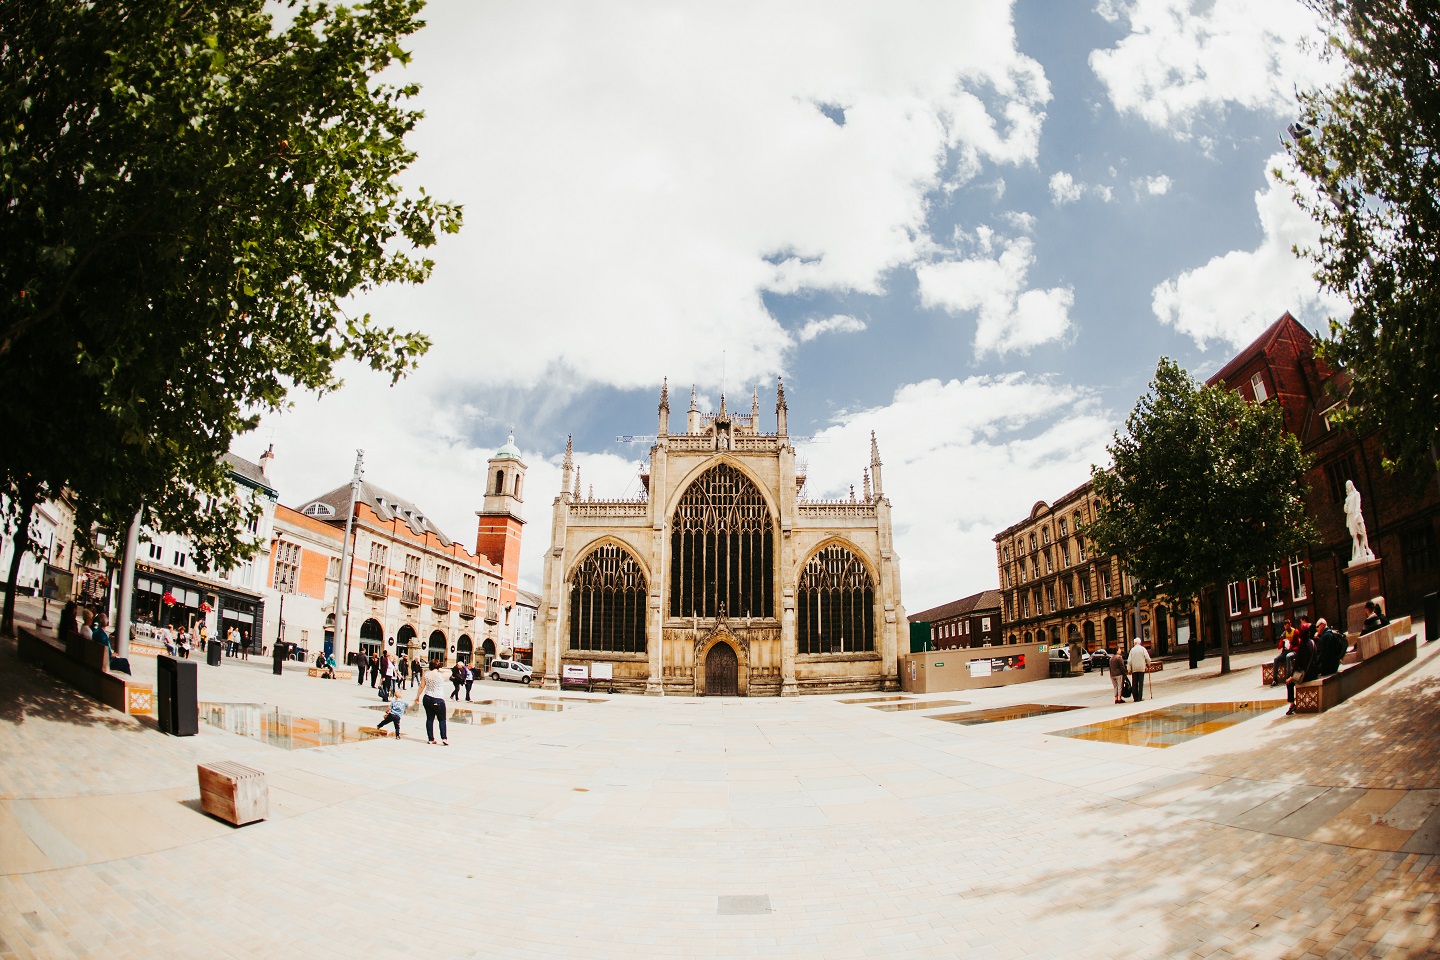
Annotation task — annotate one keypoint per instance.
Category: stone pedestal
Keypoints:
(1365, 584)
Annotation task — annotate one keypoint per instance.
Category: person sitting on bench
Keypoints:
(1374, 617)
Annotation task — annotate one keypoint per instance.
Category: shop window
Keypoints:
(1234, 592)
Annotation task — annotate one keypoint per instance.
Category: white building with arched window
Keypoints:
(723, 578)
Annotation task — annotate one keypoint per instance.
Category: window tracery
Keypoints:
(722, 553)
(607, 602)
(835, 604)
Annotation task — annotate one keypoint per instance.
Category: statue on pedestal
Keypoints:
(1355, 523)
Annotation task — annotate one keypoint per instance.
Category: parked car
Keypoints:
(510, 670)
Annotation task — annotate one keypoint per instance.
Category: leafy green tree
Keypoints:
(193, 195)
(1205, 488)
(1369, 148)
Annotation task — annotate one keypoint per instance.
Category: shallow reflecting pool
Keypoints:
(919, 705)
(1171, 725)
(279, 729)
(464, 713)
(876, 699)
(1018, 711)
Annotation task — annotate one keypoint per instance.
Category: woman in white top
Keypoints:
(432, 690)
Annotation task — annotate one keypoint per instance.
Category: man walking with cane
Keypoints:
(1139, 663)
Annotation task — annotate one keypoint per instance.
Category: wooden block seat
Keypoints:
(233, 792)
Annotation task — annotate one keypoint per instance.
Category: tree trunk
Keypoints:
(28, 495)
(1218, 618)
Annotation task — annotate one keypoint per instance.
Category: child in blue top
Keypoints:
(393, 715)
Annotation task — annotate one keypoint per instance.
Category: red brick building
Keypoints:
(972, 621)
(1400, 514)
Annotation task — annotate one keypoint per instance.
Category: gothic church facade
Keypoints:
(723, 578)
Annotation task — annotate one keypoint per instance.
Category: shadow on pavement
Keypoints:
(29, 692)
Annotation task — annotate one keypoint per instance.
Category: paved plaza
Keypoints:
(644, 827)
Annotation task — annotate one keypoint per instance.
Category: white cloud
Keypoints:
(1064, 189)
(1185, 58)
(1009, 316)
(1236, 296)
(840, 323)
(1154, 186)
(636, 179)
(963, 460)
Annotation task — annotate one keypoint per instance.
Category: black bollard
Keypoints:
(279, 655)
(1432, 617)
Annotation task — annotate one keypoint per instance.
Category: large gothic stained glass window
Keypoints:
(722, 549)
(607, 602)
(835, 604)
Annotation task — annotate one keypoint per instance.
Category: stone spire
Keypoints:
(577, 483)
(875, 466)
(852, 493)
(755, 410)
(569, 466)
(665, 407)
(692, 419)
(868, 497)
(722, 415)
(781, 412)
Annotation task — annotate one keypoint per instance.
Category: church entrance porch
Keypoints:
(722, 671)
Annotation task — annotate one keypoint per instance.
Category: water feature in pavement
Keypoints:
(278, 728)
(1168, 726)
(919, 705)
(876, 699)
(1017, 711)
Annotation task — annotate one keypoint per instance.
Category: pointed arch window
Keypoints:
(835, 604)
(607, 602)
(722, 549)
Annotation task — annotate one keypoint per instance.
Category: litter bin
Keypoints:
(178, 696)
(212, 653)
(278, 655)
(1432, 616)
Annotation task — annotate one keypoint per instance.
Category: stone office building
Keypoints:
(723, 578)
(1057, 590)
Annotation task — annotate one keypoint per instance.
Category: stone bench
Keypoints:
(1369, 644)
(1317, 696)
(339, 673)
(233, 792)
(83, 666)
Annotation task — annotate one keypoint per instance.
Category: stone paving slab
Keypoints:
(613, 828)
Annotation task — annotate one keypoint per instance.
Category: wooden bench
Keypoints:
(1317, 696)
(233, 792)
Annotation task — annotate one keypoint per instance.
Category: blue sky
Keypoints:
(972, 228)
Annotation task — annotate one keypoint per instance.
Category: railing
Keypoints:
(610, 508)
(411, 598)
(375, 588)
(467, 611)
(492, 613)
(836, 508)
(440, 605)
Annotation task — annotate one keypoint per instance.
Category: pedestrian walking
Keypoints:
(432, 692)
(457, 677)
(469, 679)
(1117, 674)
(374, 669)
(1138, 662)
